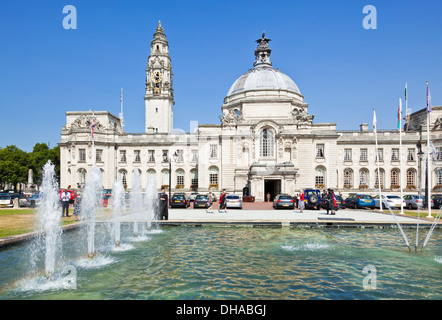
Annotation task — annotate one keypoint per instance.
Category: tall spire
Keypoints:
(262, 52)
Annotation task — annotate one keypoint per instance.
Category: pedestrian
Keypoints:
(209, 202)
(331, 202)
(301, 204)
(163, 205)
(77, 207)
(223, 202)
(65, 197)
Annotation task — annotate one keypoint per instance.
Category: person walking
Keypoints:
(301, 204)
(163, 205)
(209, 202)
(77, 207)
(65, 197)
(223, 202)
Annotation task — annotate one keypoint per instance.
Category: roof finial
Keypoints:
(159, 28)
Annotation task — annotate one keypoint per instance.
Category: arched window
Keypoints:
(180, 178)
(194, 178)
(82, 177)
(348, 178)
(165, 177)
(363, 178)
(320, 177)
(411, 178)
(151, 174)
(377, 178)
(394, 181)
(267, 143)
(122, 174)
(213, 176)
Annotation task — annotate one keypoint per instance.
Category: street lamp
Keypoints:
(166, 158)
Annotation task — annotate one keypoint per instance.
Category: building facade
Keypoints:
(266, 141)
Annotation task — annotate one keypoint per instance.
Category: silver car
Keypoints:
(233, 201)
(412, 201)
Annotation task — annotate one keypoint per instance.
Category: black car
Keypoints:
(437, 201)
(179, 200)
(200, 201)
(283, 201)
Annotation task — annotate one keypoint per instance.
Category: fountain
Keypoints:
(118, 203)
(89, 204)
(136, 200)
(150, 201)
(48, 218)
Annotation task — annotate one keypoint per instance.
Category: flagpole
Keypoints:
(428, 151)
(93, 138)
(400, 154)
(377, 158)
(121, 112)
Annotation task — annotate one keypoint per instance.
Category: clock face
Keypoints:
(157, 76)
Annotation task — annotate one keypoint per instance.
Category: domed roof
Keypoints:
(263, 76)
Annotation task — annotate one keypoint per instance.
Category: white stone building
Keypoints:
(266, 141)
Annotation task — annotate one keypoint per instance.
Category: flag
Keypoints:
(374, 120)
(428, 98)
(399, 114)
(121, 96)
(405, 91)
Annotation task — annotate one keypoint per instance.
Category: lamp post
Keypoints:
(166, 158)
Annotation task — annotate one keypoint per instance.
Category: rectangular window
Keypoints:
(347, 154)
(122, 155)
(99, 155)
(213, 178)
(194, 156)
(180, 180)
(363, 156)
(180, 157)
(151, 155)
(380, 156)
(137, 155)
(410, 154)
(438, 153)
(213, 151)
(320, 151)
(82, 154)
(395, 154)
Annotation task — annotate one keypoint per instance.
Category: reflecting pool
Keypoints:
(231, 263)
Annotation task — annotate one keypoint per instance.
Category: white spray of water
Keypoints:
(136, 200)
(118, 203)
(89, 204)
(48, 217)
(150, 201)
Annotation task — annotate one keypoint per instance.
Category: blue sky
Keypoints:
(342, 69)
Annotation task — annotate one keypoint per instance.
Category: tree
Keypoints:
(13, 165)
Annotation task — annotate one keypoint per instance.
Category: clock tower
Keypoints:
(159, 90)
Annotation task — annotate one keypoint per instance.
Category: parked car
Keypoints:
(6, 200)
(312, 198)
(22, 199)
(200, 201)
(34, 200)
(192, 196)
(360, 201)
(233, 201)
(283, 201)
(179, 200)
(412, 201)
(388, 200)
(437, 201)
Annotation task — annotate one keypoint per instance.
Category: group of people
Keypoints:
(163, 204)
(328, 197)
(66, 197)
